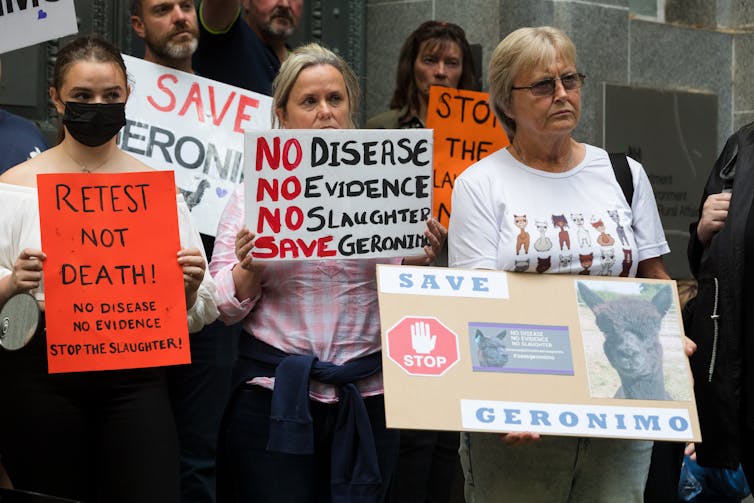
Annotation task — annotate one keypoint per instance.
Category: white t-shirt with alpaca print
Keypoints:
(508, 216)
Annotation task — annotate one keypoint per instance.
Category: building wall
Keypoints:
(691, 45)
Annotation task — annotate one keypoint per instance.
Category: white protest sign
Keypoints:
(28, 22)
(345, 193)
(193, 126)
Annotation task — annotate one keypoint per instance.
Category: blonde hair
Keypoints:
(521, 51)
(304, 57)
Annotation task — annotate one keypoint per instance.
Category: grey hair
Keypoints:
(521, 51)
(304, 57)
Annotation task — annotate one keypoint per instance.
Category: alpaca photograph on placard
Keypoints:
(633, 350)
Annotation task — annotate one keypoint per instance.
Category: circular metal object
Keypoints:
(19, 317)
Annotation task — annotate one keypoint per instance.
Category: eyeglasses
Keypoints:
(546, 87)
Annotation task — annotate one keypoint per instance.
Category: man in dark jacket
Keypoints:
(718, 319)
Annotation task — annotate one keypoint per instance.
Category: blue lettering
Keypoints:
(539, 417)
(647, 422)
(511, 416)
(568, 419)
(480, 284)
(452, 280)
(430, 282)
(485, 414)
(678, 423)
(597, 420)
(621, 419)
(405, 278)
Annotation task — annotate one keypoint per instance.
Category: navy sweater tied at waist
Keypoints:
(355, 472)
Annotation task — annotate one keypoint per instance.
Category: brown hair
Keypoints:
(85, 48)
(440, 33)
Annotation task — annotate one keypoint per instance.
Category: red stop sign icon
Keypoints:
(422, 346)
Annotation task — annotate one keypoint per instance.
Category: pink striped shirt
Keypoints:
(327, 308)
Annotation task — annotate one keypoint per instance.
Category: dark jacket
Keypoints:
(714, 318)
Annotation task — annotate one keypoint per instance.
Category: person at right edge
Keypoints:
(435, 54)
(719, 319)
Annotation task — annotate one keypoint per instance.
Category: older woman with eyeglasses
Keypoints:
(549, 203)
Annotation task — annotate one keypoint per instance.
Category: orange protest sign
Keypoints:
(114, 295)
(466, 131)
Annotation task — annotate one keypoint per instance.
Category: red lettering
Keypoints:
(241, 115)
(307, 249)
(161, 86)
(194, 97)
(264, 186)
(271, 217)
(294, 218)
(287, 164)
(215, 119)
(288, 246)
(265, 247)
(291, 188)
(263, 151)
(322, 250)
(264, 243)
(319, 244)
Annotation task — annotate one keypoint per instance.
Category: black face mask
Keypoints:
(94, 124)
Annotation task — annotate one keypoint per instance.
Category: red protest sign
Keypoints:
(466, 131)
(422, 346)
(114, 295)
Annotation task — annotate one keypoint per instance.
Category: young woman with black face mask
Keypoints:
(105, 436)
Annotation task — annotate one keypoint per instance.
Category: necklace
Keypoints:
(86, 169)
(521, 157)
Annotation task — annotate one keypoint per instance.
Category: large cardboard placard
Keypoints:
(193, 126)
(466, 130)
(346, 193)
(114, 294)
(28, 22)
(554, 354)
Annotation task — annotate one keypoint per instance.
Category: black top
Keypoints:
(236, 57)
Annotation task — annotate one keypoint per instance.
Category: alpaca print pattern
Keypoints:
(618, 227)
(543, 264)
(628, 261)
(522, 241)
(586, 262)
(604, 238)
(491, 351)
(561, 223)
(543, 243)
(631, 327)
(582, 235)
(565, 262)
(521, 265)
(607, 260)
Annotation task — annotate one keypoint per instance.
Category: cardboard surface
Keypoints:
(532, 354)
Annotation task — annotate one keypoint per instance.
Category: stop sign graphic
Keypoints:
(422, 346)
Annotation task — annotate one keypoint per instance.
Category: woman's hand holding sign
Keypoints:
(26, 274)
(247, 276)
(436, 234)
(193, 265)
